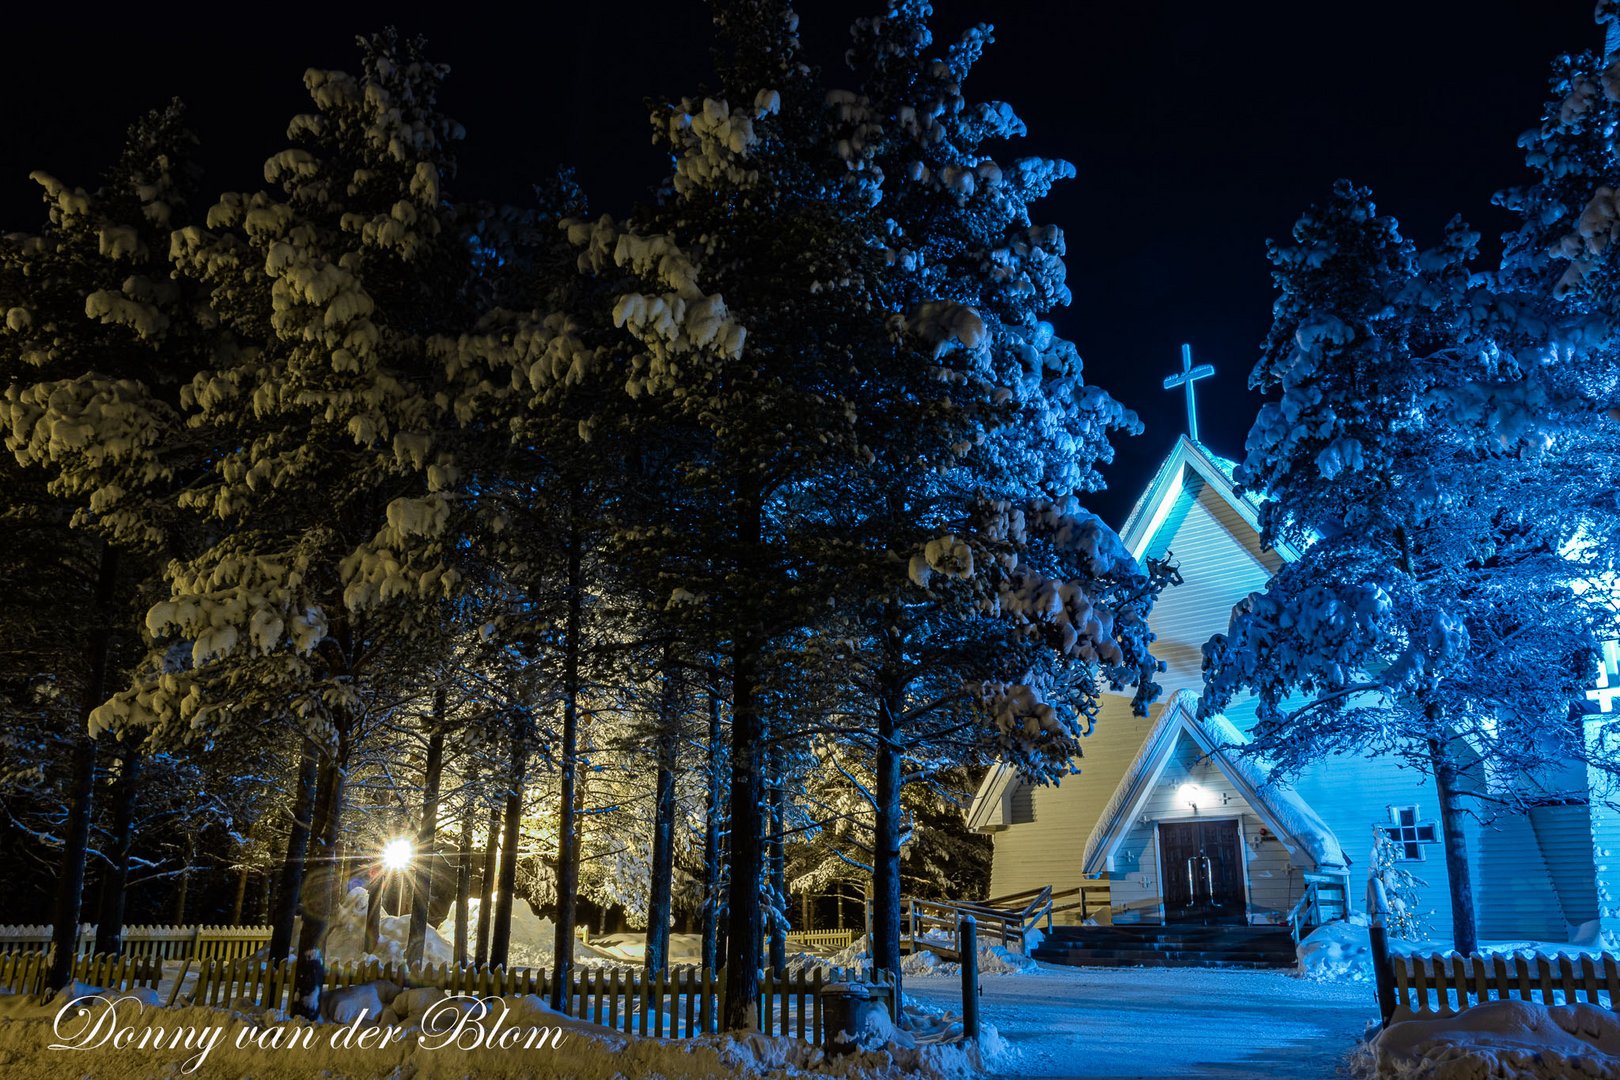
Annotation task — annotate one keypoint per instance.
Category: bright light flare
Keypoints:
(1192, 795)
(397, 854)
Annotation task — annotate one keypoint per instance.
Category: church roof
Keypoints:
(1288, 816)
(1188, 457)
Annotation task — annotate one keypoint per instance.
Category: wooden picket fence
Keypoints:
(1446, 984)
(157, 943)
(24, 972)
(680, 1003)
(820, 939)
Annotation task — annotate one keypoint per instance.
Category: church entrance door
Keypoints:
(1201, 866)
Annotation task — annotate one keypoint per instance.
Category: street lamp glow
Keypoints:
(396, 854)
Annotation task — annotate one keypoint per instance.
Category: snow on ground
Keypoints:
(534, 940)
(993, 960)
(426, 1036)
(1340, 949)
(346, 935)
(1186, 1023)
(1512, 1040)
(632, 948)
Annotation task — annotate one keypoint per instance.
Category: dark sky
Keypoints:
(1199, 130)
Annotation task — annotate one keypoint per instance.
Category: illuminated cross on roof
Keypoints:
(1187, 377)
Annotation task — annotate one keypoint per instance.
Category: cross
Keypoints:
(1408, 834)
(1187, 377)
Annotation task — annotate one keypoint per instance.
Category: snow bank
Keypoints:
(1513, 1040)
(534, 940)
(1340, 950)
(346, 937)
(993, 960)
(569, 1048)
(632, 948)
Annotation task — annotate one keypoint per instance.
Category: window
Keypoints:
(1409, 834)
(1021, 805)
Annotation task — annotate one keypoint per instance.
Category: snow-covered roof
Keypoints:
(1287, 815)
(1154, 506)
(989, 809)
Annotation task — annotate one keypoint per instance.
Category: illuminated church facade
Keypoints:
(1164, 823)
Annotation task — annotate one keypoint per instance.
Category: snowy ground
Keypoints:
(1178, 1022)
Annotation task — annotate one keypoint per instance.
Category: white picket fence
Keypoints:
(149, 942)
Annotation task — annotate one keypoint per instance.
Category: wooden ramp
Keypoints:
(1007, 921)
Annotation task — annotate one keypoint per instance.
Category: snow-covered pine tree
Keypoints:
(976, 587)
(1433, 540)
(1559, 296)
(96, 346)
(1406, 920)
(780, 328)
(748, 223)
(322, 409)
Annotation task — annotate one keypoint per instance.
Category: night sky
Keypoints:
(1199, 131)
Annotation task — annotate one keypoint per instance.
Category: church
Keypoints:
(1164, 823)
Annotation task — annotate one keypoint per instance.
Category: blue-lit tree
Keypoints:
(1436, 612)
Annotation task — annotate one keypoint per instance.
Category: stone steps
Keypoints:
(1168, 946)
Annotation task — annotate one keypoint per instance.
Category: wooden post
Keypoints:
(869, 927)
(1378, 941)
(967, 948)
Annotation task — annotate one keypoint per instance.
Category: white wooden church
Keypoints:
(1164, 824)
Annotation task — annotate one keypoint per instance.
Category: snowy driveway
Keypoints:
(1156, 1022)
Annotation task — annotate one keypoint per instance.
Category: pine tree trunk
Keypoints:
(426, 836)
(291, 884)
(1447, 778)
(712, 855)
(240, 901)
(744, 922)
(115, 881)
(182, 894)
(374, 906)
(886, 844)
(567, 806)
(464, 873)
(81, 789)
(500, 933)
(777, 864)
(486, 884)
(663, 839)
(319, 894)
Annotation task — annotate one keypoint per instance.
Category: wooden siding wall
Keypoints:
(1047, 850)
(1218, 570)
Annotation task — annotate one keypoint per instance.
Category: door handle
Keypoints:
(1209, 879)
(1192, 884)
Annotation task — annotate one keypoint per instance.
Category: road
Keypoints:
(1185, 1023)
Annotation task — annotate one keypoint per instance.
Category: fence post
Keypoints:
(1378, 941)
(967, 948)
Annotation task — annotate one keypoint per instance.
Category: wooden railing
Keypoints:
(820, 939)
(1446, 984)
(1326, 897)
(149, 942)
(1089, 904)
(1005, 920)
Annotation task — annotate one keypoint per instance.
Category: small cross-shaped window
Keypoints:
(1409, 834)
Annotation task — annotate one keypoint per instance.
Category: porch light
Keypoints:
(1192, 795)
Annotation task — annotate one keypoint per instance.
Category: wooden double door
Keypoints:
(1201, 868)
